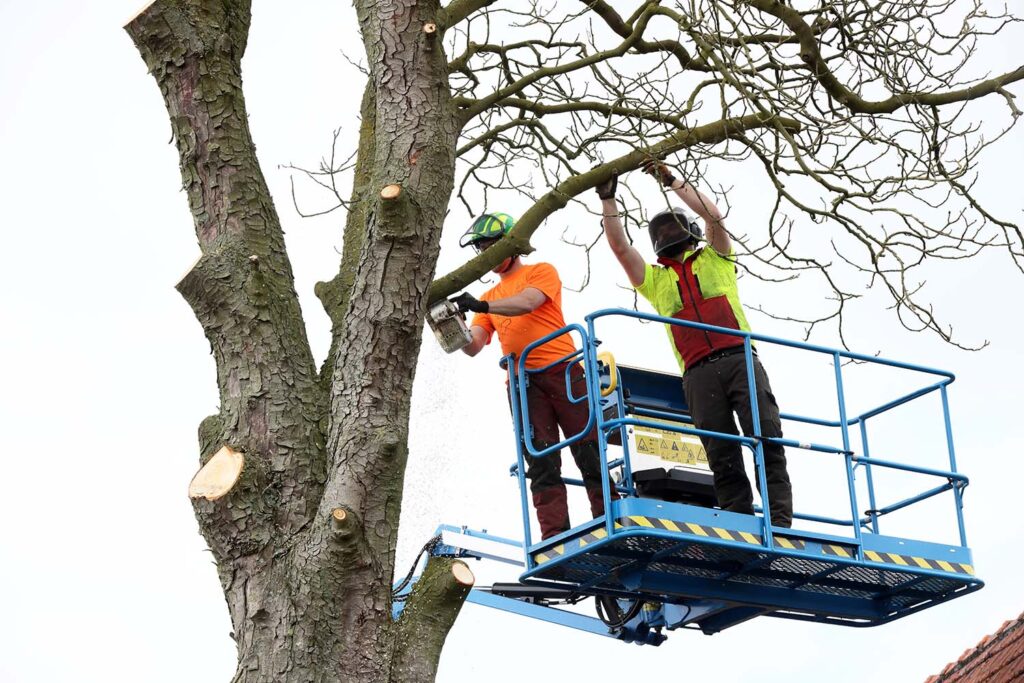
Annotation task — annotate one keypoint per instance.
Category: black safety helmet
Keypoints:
(671, 229)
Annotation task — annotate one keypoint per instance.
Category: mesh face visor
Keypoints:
(669, 230)
(482, 245)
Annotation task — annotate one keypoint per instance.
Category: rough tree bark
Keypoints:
(305, 543)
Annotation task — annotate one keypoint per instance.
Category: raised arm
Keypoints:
(699, 203)
(629, 258)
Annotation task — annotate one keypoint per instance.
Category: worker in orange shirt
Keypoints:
(524, 306)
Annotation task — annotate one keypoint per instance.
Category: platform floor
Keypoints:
(675, 553)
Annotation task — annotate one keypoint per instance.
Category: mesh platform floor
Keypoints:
(673, 569)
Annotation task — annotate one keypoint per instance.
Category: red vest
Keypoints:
(695, 344)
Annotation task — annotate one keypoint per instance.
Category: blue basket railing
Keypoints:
(519, 374)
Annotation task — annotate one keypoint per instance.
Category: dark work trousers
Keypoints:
(715, 389)
(550, 409)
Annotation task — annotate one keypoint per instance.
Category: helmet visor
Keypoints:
(482, 245)
(667, 231)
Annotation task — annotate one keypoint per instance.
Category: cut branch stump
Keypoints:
(218, 476)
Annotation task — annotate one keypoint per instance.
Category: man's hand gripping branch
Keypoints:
(696, 201)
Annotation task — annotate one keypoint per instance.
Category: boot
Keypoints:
(552, 511)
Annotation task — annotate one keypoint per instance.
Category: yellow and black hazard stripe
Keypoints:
(644, 522)
(900, 560)
(582, 541)
(838, 550)
(919, 562)
(789, 543)
(690, 528)
(550, 554)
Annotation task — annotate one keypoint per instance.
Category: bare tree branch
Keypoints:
(811, 55)
(518, 241)
(541, 110)
(458, 10)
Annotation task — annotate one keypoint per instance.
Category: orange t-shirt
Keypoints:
(517, 331)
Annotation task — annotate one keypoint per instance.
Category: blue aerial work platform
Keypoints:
(680, 561)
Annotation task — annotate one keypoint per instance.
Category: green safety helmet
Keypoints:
(489, 226)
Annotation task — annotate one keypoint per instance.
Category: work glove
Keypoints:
(659, 171)
(468, 302)
(606, 190)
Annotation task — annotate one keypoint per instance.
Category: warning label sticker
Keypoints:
(681, 449)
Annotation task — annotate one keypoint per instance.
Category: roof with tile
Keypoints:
(998, 658)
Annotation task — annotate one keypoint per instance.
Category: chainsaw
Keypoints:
(448, 325)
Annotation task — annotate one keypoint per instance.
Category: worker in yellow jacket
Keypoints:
(697, 282)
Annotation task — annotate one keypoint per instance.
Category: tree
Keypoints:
(859, 114)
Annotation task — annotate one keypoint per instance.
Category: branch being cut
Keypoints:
(518, 240)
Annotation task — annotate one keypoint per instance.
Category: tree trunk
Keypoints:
(305, 540)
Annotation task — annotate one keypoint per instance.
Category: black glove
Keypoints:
(606, 190)
(468, 302)
(657, 169)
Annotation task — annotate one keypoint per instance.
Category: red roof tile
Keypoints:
(998, 658)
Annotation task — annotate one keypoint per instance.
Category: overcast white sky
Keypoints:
(106, 375)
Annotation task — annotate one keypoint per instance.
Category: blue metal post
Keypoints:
(597, 416)
(762, 478)
(957, 496)
(513, 389)
(873, 514)
(847, 457)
